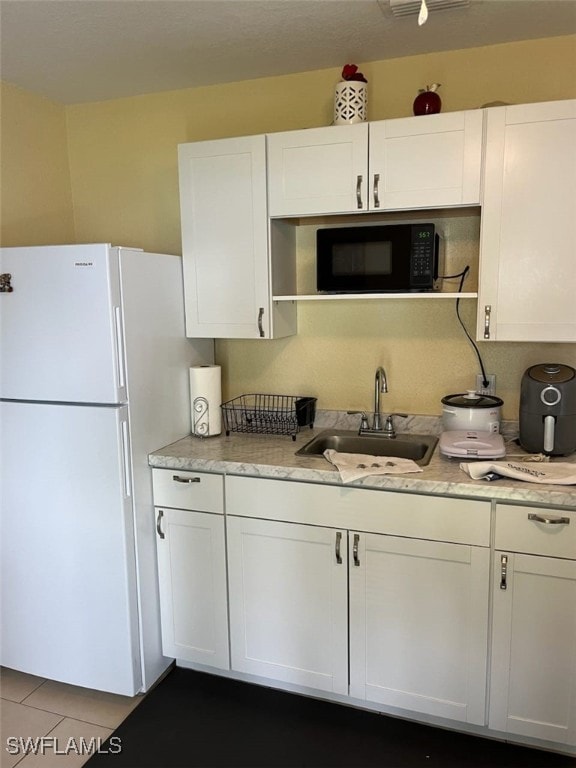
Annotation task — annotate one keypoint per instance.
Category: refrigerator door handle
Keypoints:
(126, 458)
(120, 347)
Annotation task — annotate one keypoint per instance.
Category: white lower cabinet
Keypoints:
(415, 611)
(533, 680)
(379, 595)
(419, 625)
(192, 570)
(191, 551)
(288, 602)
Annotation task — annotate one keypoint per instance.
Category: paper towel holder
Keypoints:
(200, 413)
(205, 400)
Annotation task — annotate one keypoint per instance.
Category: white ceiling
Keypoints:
(90, 50)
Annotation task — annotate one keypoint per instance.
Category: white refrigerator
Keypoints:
(93, 377)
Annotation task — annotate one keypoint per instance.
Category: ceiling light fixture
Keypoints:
(423, 15)
(399, 8)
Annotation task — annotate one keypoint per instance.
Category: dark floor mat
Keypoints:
(195, 720)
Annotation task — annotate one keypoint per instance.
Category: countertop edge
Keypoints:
(436, 482)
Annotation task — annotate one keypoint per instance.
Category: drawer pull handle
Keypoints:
(178, 479)
(338, 543)
(159, 530)
(355, 549)
(503, 571)
(549, 520)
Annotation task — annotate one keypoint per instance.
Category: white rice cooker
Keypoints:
(471, 411)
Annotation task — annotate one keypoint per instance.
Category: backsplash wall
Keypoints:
(423, 349)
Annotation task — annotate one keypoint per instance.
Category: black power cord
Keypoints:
(462, 276)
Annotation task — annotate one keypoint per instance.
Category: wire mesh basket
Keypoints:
(269, 414)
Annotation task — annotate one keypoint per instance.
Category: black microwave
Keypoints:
(378, 259)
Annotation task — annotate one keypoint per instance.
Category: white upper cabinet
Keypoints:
(225, 241)
(408, 163)
(426, 162)
(318, 170)
(527, 255)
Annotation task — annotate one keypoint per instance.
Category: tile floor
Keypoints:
(69, 716)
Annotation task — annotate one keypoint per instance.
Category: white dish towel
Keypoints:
(353, 466)
(561, 473)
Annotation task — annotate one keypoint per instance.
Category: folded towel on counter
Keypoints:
(561, 473)
(353, 466)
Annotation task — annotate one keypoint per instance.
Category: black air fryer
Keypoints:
(548, 409)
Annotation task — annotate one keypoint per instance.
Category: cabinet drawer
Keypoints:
(461, 521)
(518, 532)
(180, 489)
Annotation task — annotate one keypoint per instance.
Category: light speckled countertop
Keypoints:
(274, 457)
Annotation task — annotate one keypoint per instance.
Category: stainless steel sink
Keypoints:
(404, 446)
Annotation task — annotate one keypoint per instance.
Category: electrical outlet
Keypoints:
(490, 389)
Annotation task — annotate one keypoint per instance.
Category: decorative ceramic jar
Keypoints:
(350, 102)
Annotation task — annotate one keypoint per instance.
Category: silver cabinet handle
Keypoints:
(260, 326)
(359, 192)
(178, 479)
(487, 313)
(375, 191)
(159, 530)
(355, 549)
(503, 571)
(338, 543)
(549, 520)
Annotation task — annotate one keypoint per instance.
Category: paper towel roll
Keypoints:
(205, 400)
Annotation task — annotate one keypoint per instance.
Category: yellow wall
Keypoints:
(125, 190)
(35, 193)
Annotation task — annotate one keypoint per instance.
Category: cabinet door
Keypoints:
(419, 625)
(288, 602)
(533, 677)
(527, 263)
(426, 162)
(225, 237)
(192, 575)
(318, 170)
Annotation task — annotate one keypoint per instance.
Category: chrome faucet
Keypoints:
(380, 386)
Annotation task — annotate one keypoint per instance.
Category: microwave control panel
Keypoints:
(422, 256)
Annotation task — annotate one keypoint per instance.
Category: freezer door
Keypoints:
(68, 572)
(61, 325)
